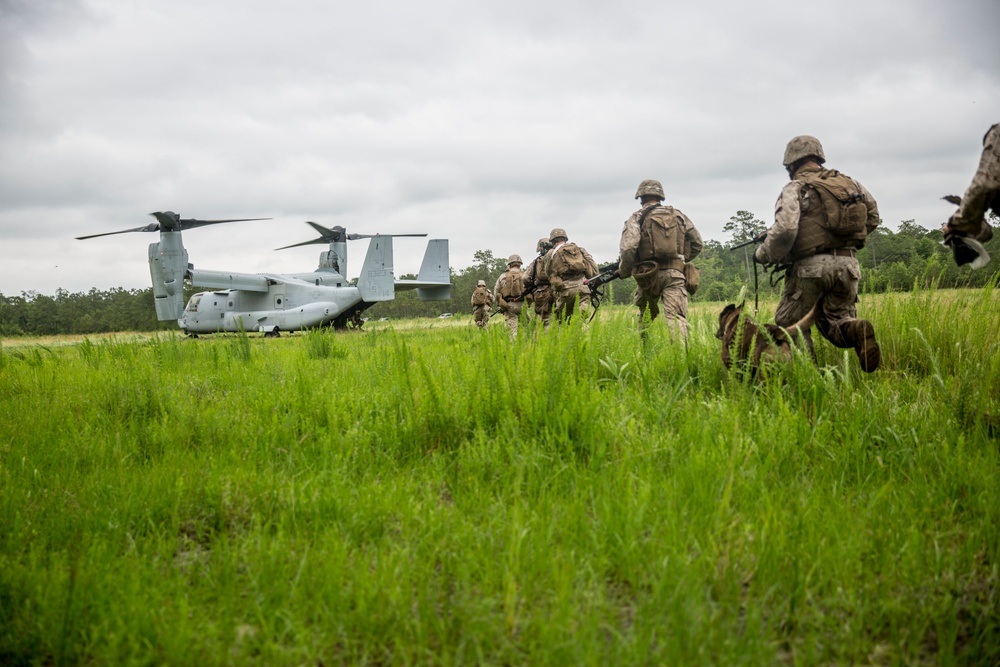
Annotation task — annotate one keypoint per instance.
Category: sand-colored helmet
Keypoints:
(543, 245)
(481, 283)
(803, 146)
(514, 259)
(558, 233)
(650, 188)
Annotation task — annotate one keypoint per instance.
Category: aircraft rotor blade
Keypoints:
(168, 221)
(191, 223)
(320, 240)
(151, 227)
(327, 235)
(355, 237)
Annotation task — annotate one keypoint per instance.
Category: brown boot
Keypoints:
(862, 335)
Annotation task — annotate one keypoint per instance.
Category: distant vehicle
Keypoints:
(444, 315)
(273, 303)
(383, 319)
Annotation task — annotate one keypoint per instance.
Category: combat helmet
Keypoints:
(803, 146)
(650, 188)
(481, 283)
(543, 244)
(514, 259)
(558, 233)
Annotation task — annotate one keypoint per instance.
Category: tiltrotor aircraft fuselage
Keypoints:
(272, 303)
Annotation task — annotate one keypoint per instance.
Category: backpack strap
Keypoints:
(642, 218)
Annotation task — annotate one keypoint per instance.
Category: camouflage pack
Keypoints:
(512, 287)
(661, 235)
(480, 296)
(843, 204)
(567, 262)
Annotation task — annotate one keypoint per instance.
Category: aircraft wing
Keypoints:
(404, 285)
(252, 282)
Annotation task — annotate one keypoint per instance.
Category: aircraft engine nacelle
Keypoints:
(168, 263)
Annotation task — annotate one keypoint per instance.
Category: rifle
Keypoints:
(527, 290)
(757, 239)
(605, 275)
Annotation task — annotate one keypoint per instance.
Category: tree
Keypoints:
(744, 227)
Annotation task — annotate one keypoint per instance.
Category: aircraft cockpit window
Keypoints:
(192, 306)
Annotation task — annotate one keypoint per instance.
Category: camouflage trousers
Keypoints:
(512, 313)
(669, 295)
(481, 315)
(543, 303)
(571, 296)
(834, 278)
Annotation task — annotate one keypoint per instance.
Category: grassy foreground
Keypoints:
(441, 495)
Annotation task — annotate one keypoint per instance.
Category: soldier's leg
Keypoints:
(645, 303)
(674, 302)
(513, 316)
(797, 298)
(583, 302)
(839, 323)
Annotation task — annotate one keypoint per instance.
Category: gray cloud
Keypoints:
(486, 123)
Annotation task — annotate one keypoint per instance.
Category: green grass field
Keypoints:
(429, 493)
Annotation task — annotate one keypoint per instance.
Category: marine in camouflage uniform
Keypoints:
(821, 264)
(569, 288)
(667, 290)
(481, 312)
(983, 193)
(535, 276)
(511, 309)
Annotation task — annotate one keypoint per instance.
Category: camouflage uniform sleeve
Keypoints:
(873, 217)
(529, 276)
(592, 269)
(500, 282)
(629, 245)
(692, 239)
(971, 215)
(781, 235)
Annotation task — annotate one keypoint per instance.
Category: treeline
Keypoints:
(96, 311)
(891, 260)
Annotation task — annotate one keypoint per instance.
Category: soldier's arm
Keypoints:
(692, 240)
(592, 269)
(971, 215)
(628, 246)
(873, 220)
(781, 235)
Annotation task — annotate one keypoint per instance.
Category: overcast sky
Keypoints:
(486, 122)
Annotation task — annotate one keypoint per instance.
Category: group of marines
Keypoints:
(822, 218)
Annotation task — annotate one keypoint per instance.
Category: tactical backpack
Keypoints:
(513, 286)
(567, 261)
(845, 213)
(661, 237)
(479, 297)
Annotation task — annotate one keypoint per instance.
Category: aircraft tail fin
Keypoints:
(435, 269)
(376, 281)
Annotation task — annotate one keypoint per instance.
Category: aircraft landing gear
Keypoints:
(273, 333)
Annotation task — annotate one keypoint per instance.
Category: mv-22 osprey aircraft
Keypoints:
(272, 303)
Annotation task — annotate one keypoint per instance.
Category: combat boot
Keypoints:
(861, 334)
